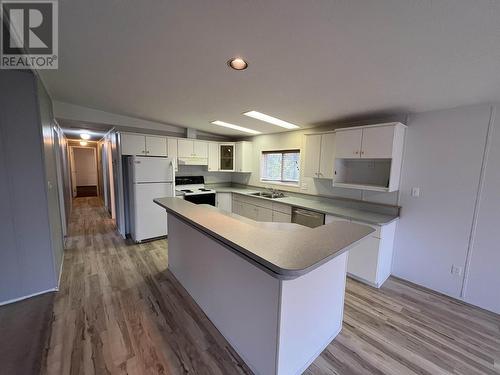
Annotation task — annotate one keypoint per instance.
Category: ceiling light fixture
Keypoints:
(85, 136)
(83, 143)
(270, 119)
(237, 63)
(235, 127)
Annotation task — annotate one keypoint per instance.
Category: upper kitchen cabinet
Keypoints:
(156, 146)
(213, 156)
(226, 157)
(192, 152)
(369, 157)
(172, 151)
(140, 144)
(243, 157)
(348, 143)
(319, 155)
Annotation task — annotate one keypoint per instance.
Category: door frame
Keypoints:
(73, 170)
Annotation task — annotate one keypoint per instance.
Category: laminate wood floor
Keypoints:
(119, 311)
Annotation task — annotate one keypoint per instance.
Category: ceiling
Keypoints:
(73, 129)
(310, 62)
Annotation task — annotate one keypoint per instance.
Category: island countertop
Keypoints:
(284, 250)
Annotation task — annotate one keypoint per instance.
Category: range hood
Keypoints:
(194, 160)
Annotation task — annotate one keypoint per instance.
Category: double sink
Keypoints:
(270, 195)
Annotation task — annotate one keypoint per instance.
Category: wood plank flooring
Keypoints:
(119, 311)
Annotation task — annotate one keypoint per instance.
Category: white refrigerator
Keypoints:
(149, 178)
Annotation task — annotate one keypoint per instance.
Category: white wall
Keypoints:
(308, 185)
(482, 285)
(30, 221)
(443, 156)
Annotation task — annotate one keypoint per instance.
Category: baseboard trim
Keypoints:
(2, 303)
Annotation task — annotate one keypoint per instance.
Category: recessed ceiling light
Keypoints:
(85, 136)
(237, 63)
(235, 127)
(270, 119)
(83, 143)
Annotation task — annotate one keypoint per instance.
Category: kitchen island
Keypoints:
(274, 290)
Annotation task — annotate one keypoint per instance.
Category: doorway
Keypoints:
(84, 171)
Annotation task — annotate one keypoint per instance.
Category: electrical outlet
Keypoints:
(415, 192)
(304, 186)
(456, 270)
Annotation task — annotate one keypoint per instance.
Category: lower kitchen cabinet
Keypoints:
(224, 201)
(280, 217)
(371, 260)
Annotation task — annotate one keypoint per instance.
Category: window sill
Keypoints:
(291, 184)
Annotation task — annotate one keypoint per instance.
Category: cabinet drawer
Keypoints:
(255, 201)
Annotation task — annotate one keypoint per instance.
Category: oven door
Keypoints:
(201, 198)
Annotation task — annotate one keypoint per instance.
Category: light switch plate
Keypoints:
(303, 186)
(456, 270)
(415, 192)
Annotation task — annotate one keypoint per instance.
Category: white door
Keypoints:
(327, 158)
(377, 142)
(148, 169)
(200, 149)
(132, 144)
(264, 214)
(85, 166)
(156, 146)
(185, 148)
(213, 156)
(348, 144)
(311, 160)
(150, 219)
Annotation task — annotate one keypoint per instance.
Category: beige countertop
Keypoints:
(322, 206)
(284, 250)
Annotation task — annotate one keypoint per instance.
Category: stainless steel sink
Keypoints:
(269, 195)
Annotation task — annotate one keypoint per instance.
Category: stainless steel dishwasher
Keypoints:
(307, 218)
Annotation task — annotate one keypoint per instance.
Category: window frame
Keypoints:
(281, 181)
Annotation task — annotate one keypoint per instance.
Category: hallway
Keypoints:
(120, 312)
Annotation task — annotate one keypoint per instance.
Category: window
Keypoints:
(280, 166)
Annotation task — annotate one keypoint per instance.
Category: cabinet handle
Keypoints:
(362, 152)
(357, 152)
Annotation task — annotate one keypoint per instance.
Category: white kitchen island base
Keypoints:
(277, 326)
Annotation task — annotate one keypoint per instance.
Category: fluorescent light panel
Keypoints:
(235, 127)
(270, 119)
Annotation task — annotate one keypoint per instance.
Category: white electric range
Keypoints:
(192, 189)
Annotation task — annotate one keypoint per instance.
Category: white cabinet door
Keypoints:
(224, 201)
(172, 151)
(236, 207)
(363, 260)
(133, 144)
(200, 149)
(327, 156)
(264, 214)
(312, 155)
(348, 144)
(213, 156)
(280, 217)
(156, 146)
(185, 148)
(243, 157)
(377, 142)
(249, 210)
